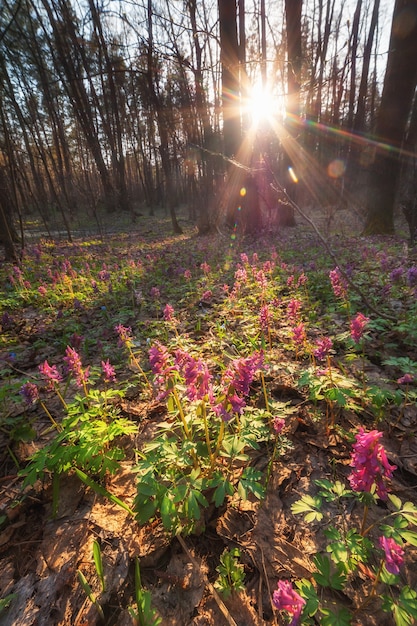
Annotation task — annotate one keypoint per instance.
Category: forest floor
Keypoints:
(231, 297)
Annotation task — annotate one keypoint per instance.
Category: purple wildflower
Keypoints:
(109, 372)
(339, 284)
(396, 275)
(30, 392)
(73, 361)
(7, 321)
(370, 464)
(394, 554)
(155, 293)
(323, 347)
(357, 327)
(412, 276)
(285, 598)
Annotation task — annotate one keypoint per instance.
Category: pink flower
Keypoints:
(207, 296)
(302, 280)
(394, 554)
(293, 309)
(404, 380)
(125, 334)
(50, 372)
(264, 317)
(370, 464)
(237, 380)
(109, 372)
(357, 327)
(285, 598)
(168, 313)
(323, 347)
(42, 290)
(241, 275)
(196, 374)
(187, 275)
(299, 334)
(261, 279)
(241, 372)
(278, 424)
(73, 361)
(339, 284)
(205, 267)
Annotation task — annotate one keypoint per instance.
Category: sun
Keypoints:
(264, 106)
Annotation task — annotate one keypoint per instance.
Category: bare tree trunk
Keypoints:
(294, 55)
(8, 235)
(396, 102)
(162, 128)
(359, 121)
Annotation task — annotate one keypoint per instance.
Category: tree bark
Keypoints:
(393, 114)
(8, 235)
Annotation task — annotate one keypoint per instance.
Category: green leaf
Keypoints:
(98, 561)
(102, 491)
(310, 506)
(4, 602)
(308, 592)
(250, 481)
(405, 609)
(168, 512)
(342, 617)
(325, 577)
(410, 536)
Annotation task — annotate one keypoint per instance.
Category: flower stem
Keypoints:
(204, 412)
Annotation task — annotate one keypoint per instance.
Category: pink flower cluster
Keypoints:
(73, 361)
(235, 382)
(323, 347)
(196, 375)
(357, 327)
(285, 598)
(370, 464)
(394, 554)
(339, 284)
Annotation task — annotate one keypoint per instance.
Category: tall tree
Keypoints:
(293, 10)
(229, 57)
(393, 115)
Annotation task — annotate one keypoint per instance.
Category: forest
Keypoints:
(208, 281)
